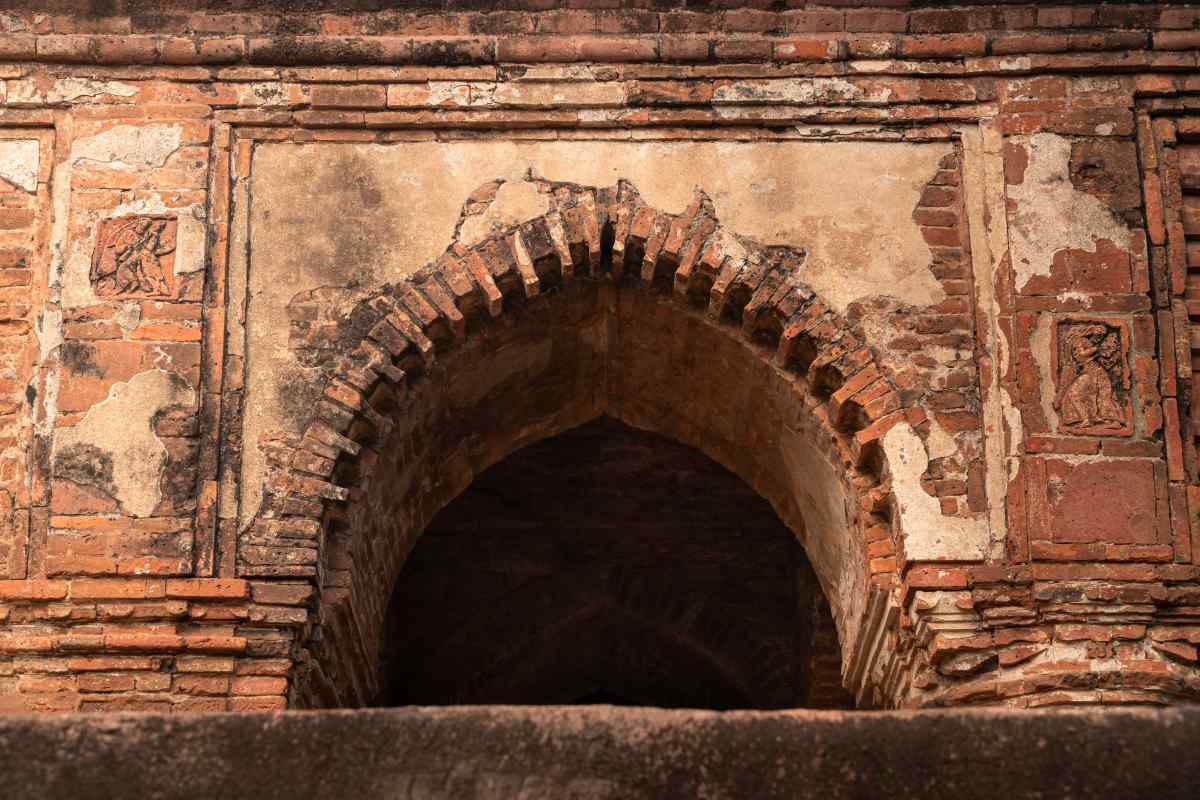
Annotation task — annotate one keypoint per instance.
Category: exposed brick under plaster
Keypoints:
(1087, 590)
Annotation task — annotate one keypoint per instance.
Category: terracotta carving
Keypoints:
(1093, 378)
(134, 257)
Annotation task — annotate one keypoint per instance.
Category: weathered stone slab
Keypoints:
(605, 752)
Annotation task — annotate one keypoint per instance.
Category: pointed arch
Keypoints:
(443, 376)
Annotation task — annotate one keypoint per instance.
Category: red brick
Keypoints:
(105, 683)
(32, 590)
(201, 684)
(257, 704)
(931, 577)
(146, 642)
(352, 96)
(815, 21)
(206, 588)
(84, 589)
(255, 685)
(949, 46)
(875, 21)
(806, 49)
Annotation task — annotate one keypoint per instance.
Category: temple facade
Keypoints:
(819, 354)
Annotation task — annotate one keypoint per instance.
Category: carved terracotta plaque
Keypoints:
(134, 256)
(1092, 377)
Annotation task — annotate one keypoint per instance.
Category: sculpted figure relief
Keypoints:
(1091, 378)
(134, 256)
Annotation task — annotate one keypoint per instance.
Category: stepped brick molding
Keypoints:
(278, 280)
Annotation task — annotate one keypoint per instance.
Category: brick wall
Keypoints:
(1045, 398)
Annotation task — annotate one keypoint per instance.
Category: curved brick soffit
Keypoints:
(750, 290)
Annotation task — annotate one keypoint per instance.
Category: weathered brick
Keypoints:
(743, 355)
(202, 589)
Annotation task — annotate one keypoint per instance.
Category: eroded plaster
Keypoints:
(19, 162)
(829, 516)
(376, 213)
(129, 146)
(114, 446)
(65, 90)
(1041, 344)
(515, 201)
(799, 90)
(928, 534)
(985, 205)
(1048, 214)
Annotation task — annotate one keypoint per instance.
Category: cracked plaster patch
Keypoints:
(376, 213)
(799, 90)
(121, 428)
(928, 534)
(65, 90)
(19, 161)
(1050, 214)
(129, 146)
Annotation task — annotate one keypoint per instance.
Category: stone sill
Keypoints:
(601, 751)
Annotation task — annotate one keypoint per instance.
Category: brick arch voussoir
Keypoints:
(589, 233)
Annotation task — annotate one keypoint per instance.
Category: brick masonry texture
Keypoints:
(988, 453)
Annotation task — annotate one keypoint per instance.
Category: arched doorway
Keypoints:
(603, 307)
(610, 565)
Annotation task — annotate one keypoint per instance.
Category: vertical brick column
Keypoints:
(27, 155)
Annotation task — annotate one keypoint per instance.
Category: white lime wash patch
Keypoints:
(798, 90)
(121, 427)
(559, 93)
(19, 161)
(1049, 214)
(928, 534)
(65, 90)
(129, 146)
(269, 94)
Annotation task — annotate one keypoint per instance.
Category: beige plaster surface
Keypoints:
(19, 162)
(65, 90)
(124, 148)
(928, 534)
(1049, 214)
(121, 427)
(355, 216)
(129, 146)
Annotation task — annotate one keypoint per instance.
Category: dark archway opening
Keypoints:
(609, 565)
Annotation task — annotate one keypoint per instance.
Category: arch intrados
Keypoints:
(629, 408)
(754, 295)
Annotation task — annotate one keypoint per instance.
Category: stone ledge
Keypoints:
(600, 751)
